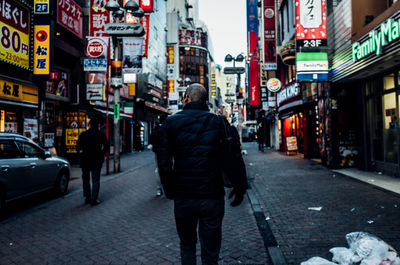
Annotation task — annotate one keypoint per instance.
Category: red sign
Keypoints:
(147, 5)
(311, 19)
(145, 21)
(254, 82)
(98, 18)
(95, 48)
(269, 38)
(69, 15)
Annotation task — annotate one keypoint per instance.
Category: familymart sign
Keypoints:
(386, 33)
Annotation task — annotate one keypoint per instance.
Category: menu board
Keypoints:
(291, 143)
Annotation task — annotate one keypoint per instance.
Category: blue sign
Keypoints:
(95, 65)
(312, 77)
(252, 16)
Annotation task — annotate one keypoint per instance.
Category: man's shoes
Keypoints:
(95, 202)
(87, 201)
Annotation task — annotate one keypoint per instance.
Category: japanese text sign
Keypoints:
(252, 15)
(10, 90)
(15, 27)
(311, 22)
(69, 15)
(98, 18)
(41, 50)
(269, 39)
(145, 21)
(95, 92)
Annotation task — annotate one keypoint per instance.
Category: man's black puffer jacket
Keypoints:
(191, 168)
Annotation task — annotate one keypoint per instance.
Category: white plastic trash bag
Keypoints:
(344, 256)
(317, 261)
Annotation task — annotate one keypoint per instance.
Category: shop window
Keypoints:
(388, 81)
(391, 126)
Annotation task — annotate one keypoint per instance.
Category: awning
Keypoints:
(112, 113)
(19, 104)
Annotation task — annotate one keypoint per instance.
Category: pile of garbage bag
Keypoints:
(364, 249)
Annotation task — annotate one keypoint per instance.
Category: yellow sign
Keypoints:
(15, 30)
(71, 139)
(41, 56)
(17, 91)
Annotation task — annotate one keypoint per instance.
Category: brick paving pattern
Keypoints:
(287, 185)
(130, 226)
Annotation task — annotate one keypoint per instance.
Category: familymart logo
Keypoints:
(385, 34)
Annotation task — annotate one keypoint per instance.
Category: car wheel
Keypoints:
(61, 186)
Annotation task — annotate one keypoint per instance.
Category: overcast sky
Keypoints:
(226, 22)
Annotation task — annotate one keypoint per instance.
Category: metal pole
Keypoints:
(116, 119)
(240, 111)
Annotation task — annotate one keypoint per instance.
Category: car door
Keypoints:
(43, 172)
(15, 171)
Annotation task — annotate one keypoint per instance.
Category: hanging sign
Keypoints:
(269, 39)
(41, 56)
(69, 15)
(147, 5)
(15, 31)
(312, 66)
(98, 18)
(132, 55)
(95, 92)
(311, 23)
(274, 84)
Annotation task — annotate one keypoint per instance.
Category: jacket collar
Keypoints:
(196, 106)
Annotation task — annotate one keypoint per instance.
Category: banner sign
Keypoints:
(95, 65)
(311, 23)
(15, 30)
(192, 37)
(252, 16)
(311, 66)
(41, 7)
(145, 21)
(69, 15)
(41, 49)
(269, 39)
(132, 55)
(254, 82)
(170, 68)
(98, 18)
(94, 92)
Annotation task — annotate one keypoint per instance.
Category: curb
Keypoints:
(270, 242)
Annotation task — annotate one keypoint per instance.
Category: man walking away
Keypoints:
(94, 146)
(190, 166)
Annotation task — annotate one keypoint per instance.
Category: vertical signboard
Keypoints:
(41, 56)
(98, 18)
(69, 15)
(132, 55)
(147, 5)
(311, 23)
(254, 82)
(252, 16)
(170, 68)
(145, 21)
(269, 36)
(15, 30)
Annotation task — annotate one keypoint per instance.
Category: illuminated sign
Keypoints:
(312, 66)
(15, 30)
(311, 23)
(41, 56)
(269, 39)
(98, 18)
(288, 92)
(147, 5)
(274, 84)
(41, 6)
(386, 33)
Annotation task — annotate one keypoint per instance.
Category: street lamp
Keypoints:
(116, 30)
(237, 71)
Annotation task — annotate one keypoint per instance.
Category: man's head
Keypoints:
(195, 93)
(94, 123)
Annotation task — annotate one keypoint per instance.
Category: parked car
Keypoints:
(25, 169)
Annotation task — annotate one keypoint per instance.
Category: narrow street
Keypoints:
(133, 226)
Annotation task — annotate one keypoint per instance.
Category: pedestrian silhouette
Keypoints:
(94, 146)
(189, 155)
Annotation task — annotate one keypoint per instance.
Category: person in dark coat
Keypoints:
(189, 162)
(94, 146)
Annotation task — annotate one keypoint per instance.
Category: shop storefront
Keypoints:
(366, 93)
(19, 108)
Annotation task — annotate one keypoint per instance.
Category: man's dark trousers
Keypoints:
(94, 193)
(208, 215)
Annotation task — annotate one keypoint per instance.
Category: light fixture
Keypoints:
(132, 6)
(239, 58)
(228, 58)
(138, 13)
(112, 6)
(119, 13)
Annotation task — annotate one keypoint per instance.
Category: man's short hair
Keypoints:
(197, 93)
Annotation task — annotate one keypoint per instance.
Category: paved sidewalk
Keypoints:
(130, 226)
(287, 186)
